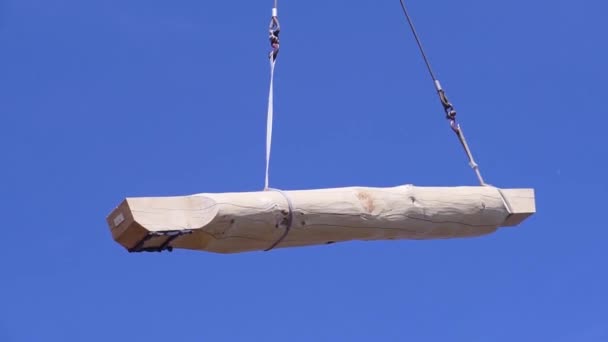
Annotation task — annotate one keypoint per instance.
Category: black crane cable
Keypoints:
(447, 106)
(411, 23)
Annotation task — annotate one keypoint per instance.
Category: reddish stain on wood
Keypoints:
(366, 201)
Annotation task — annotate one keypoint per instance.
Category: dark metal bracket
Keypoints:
(165, 246)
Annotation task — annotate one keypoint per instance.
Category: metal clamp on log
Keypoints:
(170, 236)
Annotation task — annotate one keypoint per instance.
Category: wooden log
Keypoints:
(254, 221)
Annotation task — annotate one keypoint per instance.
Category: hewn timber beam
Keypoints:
(253, 221)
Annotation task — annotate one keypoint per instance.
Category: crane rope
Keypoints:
(449, 109)
(274, 28)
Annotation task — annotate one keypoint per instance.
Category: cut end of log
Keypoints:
(156, 223)
(521, 205)
(254, 221)
(125, 230)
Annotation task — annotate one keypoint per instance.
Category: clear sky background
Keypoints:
(102, 100)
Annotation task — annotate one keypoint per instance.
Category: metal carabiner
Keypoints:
(274, 29)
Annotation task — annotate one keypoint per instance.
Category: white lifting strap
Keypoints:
(273, 30)
(269, 120)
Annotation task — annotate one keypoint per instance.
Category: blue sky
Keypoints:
(107, 99)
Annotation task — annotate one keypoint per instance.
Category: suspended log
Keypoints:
(256, 221)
